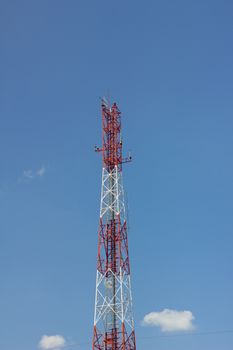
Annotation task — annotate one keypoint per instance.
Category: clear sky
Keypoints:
(169, 66)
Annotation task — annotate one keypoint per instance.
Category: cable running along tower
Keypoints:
(113, 319)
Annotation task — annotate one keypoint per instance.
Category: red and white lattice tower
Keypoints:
(113, 320)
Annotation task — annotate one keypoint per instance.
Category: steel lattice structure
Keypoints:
(113, 319)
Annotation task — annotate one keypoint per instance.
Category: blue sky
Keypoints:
(168, 64)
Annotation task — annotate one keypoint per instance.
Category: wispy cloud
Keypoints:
(41, 171)
(170, 320)
(55, 342)
(30, 174)
(27, 175)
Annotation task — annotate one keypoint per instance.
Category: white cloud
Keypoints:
(55, 342)
(170, 320)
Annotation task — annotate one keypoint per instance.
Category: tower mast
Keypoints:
(113, 319)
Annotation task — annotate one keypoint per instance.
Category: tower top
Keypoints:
(111, 137)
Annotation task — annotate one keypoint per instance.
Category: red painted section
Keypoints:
(111, 138)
